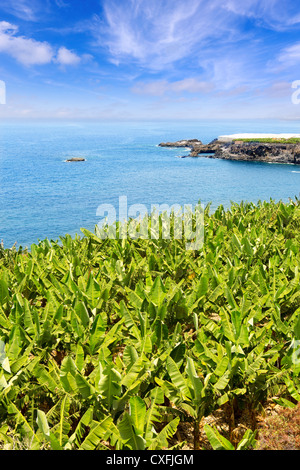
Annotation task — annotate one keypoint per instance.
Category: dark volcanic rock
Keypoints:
(212, 147)
(239, 150)
(260, 152)
(181, 143)
(196, 146)
(76, 159)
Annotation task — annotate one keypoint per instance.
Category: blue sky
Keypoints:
(149, 59)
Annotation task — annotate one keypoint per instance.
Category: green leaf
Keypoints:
(203, 286)
(137, 412)
(46, 379)
(128, 434)
(284, 402)
(297, 328)
(93, 291)
(43, 423)
(236, 242)
(97, 334)
(226, 325)
(84, 387)
(223, 381)
(153, 413)
(130, 356)
(248, 440)
(161, 440)
(82, 313)
(4, 292)
(195, 379)
(26, 428)
(177, 378)
(217, 441)
(157, 293)
(100, 431)
(222, 367)
(109, 384)
(230, 298)
(79, 361)
(81, 427)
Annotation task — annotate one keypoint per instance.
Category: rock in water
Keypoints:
(181, 143)
(76, 159)
(196, 146)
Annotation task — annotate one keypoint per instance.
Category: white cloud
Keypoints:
(67, 57)
(28, 51)
(24, 50)
(8, 28)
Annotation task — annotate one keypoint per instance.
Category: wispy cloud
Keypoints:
(173, 56)
(276, 90)
(156, 34)
(277, 15)
(23, 9)
(62, 3)
(289, 56)
(161, 87)
(31, 10)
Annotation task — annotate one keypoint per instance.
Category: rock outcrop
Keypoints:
(181, 143)
(76, 159)
(196, 146)
(243, 151)
(260, 152)
(210, 148)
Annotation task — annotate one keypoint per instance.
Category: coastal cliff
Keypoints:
(271, 152)
(260, 152)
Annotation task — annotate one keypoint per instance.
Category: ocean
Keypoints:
(42, 196)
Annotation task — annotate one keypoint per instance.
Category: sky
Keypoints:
(149, 59)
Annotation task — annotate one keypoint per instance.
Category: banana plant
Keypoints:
(136, 427)
(189, 392)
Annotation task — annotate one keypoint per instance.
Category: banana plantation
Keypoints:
(137, 344)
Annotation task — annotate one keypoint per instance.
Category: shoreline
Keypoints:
(233, 147)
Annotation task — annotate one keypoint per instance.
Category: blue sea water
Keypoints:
(42, 196)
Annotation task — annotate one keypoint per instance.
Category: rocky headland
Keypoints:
(271, 152)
